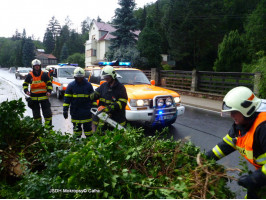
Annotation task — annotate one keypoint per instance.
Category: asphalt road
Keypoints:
(204, 128)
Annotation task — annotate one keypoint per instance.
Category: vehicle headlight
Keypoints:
(169, 101)
(65, 85)
(160, 102)
(139, 102)
(177, 99)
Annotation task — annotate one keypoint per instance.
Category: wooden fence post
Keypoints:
(155, 75)
(194, 81)
(257, 77)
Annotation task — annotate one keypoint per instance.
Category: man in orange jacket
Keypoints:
(247, 135)
(40, 91)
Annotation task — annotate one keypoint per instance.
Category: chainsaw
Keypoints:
(106, 118)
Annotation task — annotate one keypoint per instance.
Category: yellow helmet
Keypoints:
(109, 71)
(79, 72)
(241, 99)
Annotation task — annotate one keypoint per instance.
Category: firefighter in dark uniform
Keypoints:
(50, 71)
(40, 91)
(247, 135)
(77, 96)
(112, 97)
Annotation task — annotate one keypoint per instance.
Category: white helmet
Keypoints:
(79, 72)
(241, 99)
(48, 68)
(36, 62)
(109, 71)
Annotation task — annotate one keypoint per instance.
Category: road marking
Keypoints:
(205, 109)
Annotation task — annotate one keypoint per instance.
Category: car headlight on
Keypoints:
(139, 102)
(169, 101)
(160, 102)
(177, 99)
(65, 85)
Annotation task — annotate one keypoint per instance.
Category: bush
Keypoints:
(167, 67)
(258, 65)
(18, 139)
(118, 164)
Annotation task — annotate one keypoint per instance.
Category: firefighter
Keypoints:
(40, 91)
(77, 97)
(50, 71)
(247, 135)
(112, 97)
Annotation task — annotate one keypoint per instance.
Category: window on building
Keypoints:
(94, 52)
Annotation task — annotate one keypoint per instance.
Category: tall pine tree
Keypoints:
(64, 53)
(125, 25)
(149, 45)
(54, 27)
(28, 52)
(49, 41)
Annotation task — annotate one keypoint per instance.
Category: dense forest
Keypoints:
(204, 35)
(66, 44)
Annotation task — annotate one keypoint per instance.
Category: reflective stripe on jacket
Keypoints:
(77, 97)
(244, 144)
(37, 85)
(115, 97)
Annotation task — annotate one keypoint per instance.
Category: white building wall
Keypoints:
(91, 45)
(94, 44)
(102, 50)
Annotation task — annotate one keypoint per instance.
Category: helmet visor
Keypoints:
(105, 75)
(79, 75)
(226, 108)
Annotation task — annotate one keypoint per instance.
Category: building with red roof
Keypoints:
(100, 34)
(46, 59)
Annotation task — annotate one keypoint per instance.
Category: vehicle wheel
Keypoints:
(58, 94)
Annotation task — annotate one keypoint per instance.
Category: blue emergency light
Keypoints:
(115, 63)
(105, 63)
(67, 64)
(124, 63)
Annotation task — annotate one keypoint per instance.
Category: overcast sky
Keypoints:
(34, 15)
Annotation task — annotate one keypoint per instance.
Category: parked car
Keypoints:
(63, 74)
(12, 69)
(147, 103)
(21, 73)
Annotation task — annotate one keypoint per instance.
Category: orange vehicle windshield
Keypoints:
(132, 77)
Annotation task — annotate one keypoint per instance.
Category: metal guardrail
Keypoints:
(222, 82)
(203, 81)
(176, 79)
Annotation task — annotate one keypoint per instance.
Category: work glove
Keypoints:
(104, 109)
(107, 110)
(253, 181)
(100, 108)
(246, 181)
(65, 113)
